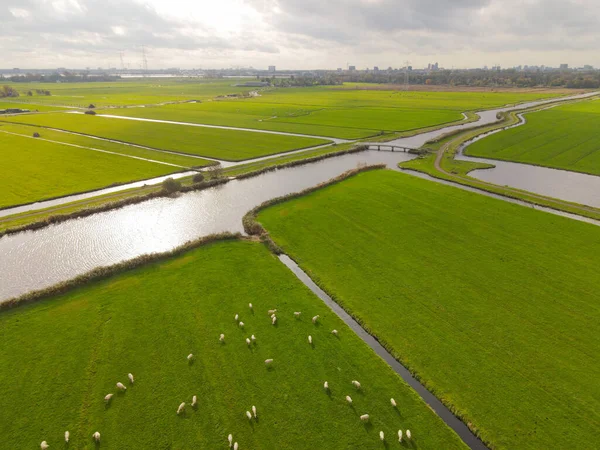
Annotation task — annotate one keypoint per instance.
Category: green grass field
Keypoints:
(35, 169)
(229, 145)
(565, 137)
(61, 356)
(18, 103)
(494, 306)
(334, 112)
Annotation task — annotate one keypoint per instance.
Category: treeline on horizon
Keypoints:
(66, 77)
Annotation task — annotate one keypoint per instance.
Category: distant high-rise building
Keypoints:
(564, 66)
(272, 69)
(375, 69)
(588, 67)
(351, 68)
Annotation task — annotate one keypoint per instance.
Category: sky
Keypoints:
(298, 34)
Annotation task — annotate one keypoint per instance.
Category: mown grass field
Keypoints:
(61, 356)
(334, 112)
(35, 169)
(17, 103)
(565, 137)
(229, 145)
(494, 306)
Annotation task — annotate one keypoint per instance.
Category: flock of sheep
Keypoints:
(249, 341)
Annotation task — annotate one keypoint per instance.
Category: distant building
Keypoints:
(272, 69)
(375, 69)
(352, 68)
(254, 84)
(588, 67)
(339, 69)
(564, 66)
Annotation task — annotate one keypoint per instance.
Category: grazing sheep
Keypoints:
(254, 411)
(237, 317)
(393, 402)
(297, 314)
(408, 436)
(230, 439)
(130, 376)
(326, 386)
(364, 417)
(381, 436)
(274, 320)
(248, 415)
(349, 399)
(334, 332)
(248, 342)
(272, 315)
(108, 397)
(250, 305)
(236, 446)
(356, 384)
(67, 434)
(253, 338)
(241, 324)
(399, 435)
(268, 362)
(181, 408)
(44, 445)
(314, 319)
(121, 386)
(271, 312)
(190, 357)
(194, 401)
(222, 338)
(310, 340)
(96, 436)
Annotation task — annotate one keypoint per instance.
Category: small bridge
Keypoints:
(389, 148)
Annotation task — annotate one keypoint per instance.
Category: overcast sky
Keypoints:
(298, 34)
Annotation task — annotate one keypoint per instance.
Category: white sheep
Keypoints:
(237, 317)
(67, 434)
(271, 312)
(268, 362)
(248, 342)
(96, 436)
(314, 319)
(121, 386)
(250, 305)
(297, 314)
(44, 445)
(236, 446)
(310, 340)
(181, 408)
(248, 415)
(130, 376)
(356, 384)
(241, 324)
(349, 399)
(364, 417)
(274, 320)
(381, 436)
(230, 439)
(108, 397)
(334, 332)
(393, 402)
(254, 411)
(399, 435)
(190, 357)
(222, 338)
(326, 386)
(272, 315)
(194, 401)
(408, 435)
(253, 338)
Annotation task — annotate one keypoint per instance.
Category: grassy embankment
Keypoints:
(491, 304)
(147, 320)
(564, 137)
(229, 145)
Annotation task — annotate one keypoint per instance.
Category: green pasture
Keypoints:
(62, 355)
(229, 145)
(493, 305)
(18, 103)
(565, 137)
(34, 169)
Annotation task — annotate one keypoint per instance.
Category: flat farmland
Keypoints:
(35, 169)
(493, 305)
(565, 137)
(146, 321)
(229, 145)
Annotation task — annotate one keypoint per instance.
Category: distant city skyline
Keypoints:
(298, 34)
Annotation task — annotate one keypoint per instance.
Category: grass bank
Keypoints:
(492, 305)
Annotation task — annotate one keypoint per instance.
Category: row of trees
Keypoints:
(67, 77)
